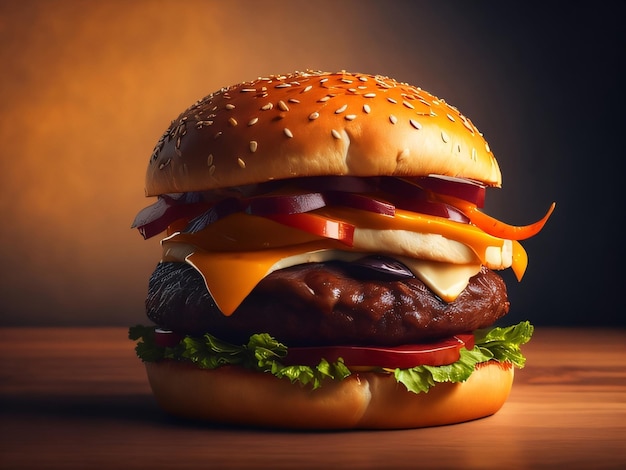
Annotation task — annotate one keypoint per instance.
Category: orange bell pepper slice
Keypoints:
(493, 226)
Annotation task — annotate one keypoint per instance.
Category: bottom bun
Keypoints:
(366, 400)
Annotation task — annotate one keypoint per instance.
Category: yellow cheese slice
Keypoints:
(230, 277)
(444, 279)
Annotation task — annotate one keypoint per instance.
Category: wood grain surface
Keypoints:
(77, 398)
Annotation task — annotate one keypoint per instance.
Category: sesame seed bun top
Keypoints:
(316, 124)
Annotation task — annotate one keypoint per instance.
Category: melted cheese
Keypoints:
(445, 279)
(250, 267)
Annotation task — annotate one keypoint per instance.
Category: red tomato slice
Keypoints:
(166, 338)
(317, 225)
(404, 357)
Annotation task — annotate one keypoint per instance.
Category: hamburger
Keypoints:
(325, 261)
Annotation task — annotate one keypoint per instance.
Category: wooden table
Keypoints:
(78, 398)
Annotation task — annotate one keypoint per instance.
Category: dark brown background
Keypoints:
(87, 88)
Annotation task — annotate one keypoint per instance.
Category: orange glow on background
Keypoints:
(89, 87)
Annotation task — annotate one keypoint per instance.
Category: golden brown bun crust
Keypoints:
(232, 395)
(314, 124)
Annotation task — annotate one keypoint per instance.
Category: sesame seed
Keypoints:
(293, 100)
(241, 163)
(391, 100)
(350, 117)
(307, 88)
(247, 90)
(164, 164)
(324, 80)
(367, 109)
(393, 119)
(363, 79)
(445, 137)
(467, 125)
(324, 99)
(267, 107)
(230, 106)
(415, 124)
(335, 134)
(369, 95)
(408, 105)
(314, 115)
(283, 106)
(253, 121)
(283, 85)
(232, 121)
(217, 135)
(450, 117)
(288, 133)
(209, 159)
(342, 109)
(487, 147)
(474, 154)
(253, 145)
(346, 80)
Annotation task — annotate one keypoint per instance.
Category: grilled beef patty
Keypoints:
(325, 304)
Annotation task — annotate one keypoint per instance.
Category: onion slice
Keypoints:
(219, 210)
(155, 218)
(468, 190)
(438, 209)
(360, 201)
(285, 204)
(350, 184)
(384, 266)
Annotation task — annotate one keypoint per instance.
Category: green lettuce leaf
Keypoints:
(504, 343)
(500, 344)
(264, 354)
